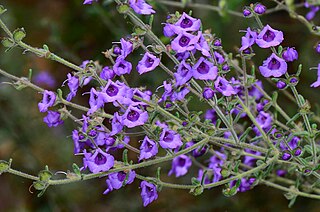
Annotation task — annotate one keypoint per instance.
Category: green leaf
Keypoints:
(76, 169)
(197, 190)
(2, 9)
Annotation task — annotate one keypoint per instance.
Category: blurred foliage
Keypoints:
(78, 32)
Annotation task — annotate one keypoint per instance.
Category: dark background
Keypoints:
(78, 32)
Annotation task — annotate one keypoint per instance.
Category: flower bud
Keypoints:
(286, 156)
(281, 84)
(207, 93)
(246, 12)
(260, 9)
(290, 54)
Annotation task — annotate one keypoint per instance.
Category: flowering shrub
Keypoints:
(245, 139)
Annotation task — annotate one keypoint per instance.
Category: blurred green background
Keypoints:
(78, 32)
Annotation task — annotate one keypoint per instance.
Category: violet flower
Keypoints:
(134, 117)
(202, 45)
(116, 91)
(126, 47)
(45, 78)
(47, 101)
(99, 161)
(269, 37)
(118, 179)
(204, 70)
(248, 40)
(141, 7)
(170, 139)
(89, 1)
(107, 73)
(148, 192)
(273, 66)
(116, 124)
(53, 119)
(96, 101)
(180, 165)
(224, 87)
(80, 142)
(122, 66)
(148, 63)
(183, 74)
(73, 84)
(148, 148)
(186, 24)
(184, 42)
(317, 83)
(168, 31)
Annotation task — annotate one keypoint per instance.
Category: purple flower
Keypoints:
(148, 148)
(53, 119)
(313, 11)
(183, 74)
(290, 54)
(248, 40)
(144, 95)
(255, 92)
(102, 138)
(317, 83)
(134, 117)
(200, 177)
(186, 24)
(141, 7)
(119, 179)
(73, 84)
(224, 87)
(116, 91)
(89, 1)
(116, 124)
(148, 63)
(202, 45)
(126, 47)
(248, 160)
(170, 139)
(264, 120)
(48, 100)
(107, 73)
(148, 192)
(204, 70)
(122, 66)
(318, 48)
(80, 142)
(45, 78)
(291, 145)
(99, 161)
(168, 31)
(199, 151)
(179, 95)
(260, 9)
(211, 115)
(96, 101)
(180, 165)
(273, 66)
(269, 37)
(215, 164)
(184, 42)
(219, 58)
